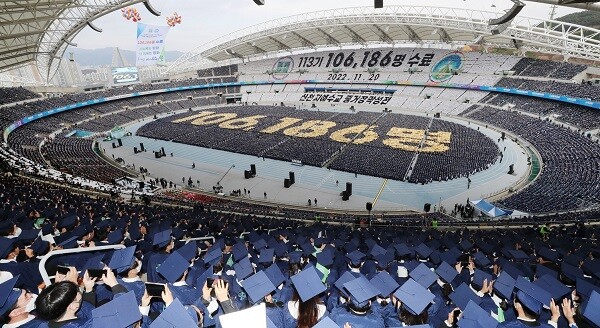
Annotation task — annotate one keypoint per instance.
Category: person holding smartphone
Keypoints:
(60, 303)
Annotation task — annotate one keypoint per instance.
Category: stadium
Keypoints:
(380, 166)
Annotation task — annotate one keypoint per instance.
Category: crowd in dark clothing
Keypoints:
(579, 116)
(469, 151)
(291, 273)
(570, 177)
(13, 95)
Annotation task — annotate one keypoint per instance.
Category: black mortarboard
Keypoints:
(504, 285)
(385, 283)
(257, 286)
(423, 275)
(121, 312)
(462, 295)
(414, 296)
(173, 267)
(475, 317)
(308, 284)
(361, 291)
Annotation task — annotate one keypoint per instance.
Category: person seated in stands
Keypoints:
(61, 302)
(357, 311)
(16, 306)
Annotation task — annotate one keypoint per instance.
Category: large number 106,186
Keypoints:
(398, 138)
(369, 59)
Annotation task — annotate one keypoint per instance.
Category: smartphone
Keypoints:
(154, 290)
(209, 282)
(62, 269)
(96, 273)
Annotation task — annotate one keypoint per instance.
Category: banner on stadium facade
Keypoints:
(150, 44)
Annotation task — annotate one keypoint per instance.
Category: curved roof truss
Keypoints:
(391, 25)
(41, 30)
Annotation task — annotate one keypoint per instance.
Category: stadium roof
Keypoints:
(40, 30)
(391, 25)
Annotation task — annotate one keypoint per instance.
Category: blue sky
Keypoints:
(207, 20)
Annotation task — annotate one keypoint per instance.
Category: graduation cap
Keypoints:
(40, 247)
(548, 254)
(465, 245)
(280, 249)
(361, 291)
(28, 236)
(590, 309)
(67, 222)
(355, 257)
(423, 251)
(275, 275)
(188, 251)
(485, 247)
(504, 285)
(115, 237)
(266, 255)
(518, 255)
(414, 296)
(451, 255)
(325, 258)
(481, 260)
(326, 322)
(93, 263)
(295, 257)
(70, 242)
(402, 250)
(259, 244)
(6, 246)
(475, 317)
(510, 268)
(377, 250)
(585, 287)
(199, 283)
(257, 286)
(162, 238)
(6, 225)
(339, 284)
(553, 286)
(175, 315)
(446, 272)
(307, 283)
(82, 230)
(462, 295)
(385, 283)
(121, 312)
(423, 275)
(542, 270)
(173, 267)
(9, 295)
(530, 294)
(239, 251)
(122, 259)
(214, 253)
(571, 272)
(383, 260)
(479, 276)
(592, 267)
(243, 268)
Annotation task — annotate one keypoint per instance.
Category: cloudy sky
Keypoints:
(205, 20)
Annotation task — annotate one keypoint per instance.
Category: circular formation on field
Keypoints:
(418, 149)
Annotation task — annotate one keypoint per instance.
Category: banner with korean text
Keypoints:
(150, 44)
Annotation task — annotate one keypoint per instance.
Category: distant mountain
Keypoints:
(585, 18)
(103, 56)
